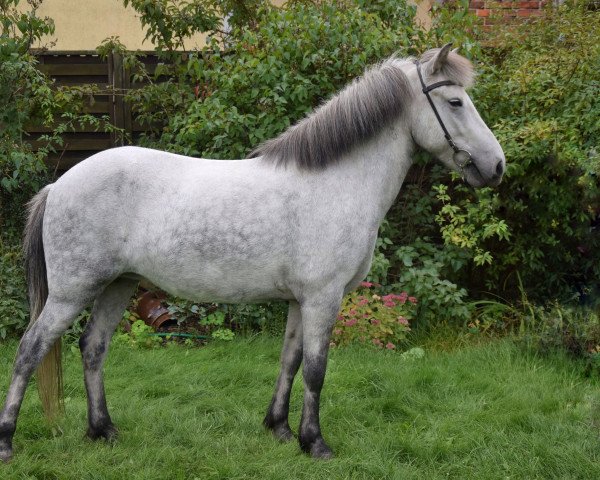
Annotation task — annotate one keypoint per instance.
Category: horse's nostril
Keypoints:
(499, 168)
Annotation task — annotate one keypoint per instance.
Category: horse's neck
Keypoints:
(377, 170)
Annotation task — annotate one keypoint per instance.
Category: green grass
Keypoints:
(481, 412)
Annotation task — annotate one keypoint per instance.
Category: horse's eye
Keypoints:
(455, 102)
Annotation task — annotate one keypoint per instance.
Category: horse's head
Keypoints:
(445, 122)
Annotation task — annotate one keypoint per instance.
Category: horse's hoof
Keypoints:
(320, 450)
(107, 432)
(317, 448)
(5, 454)
(283, 433)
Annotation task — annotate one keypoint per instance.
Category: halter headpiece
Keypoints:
(461, 157)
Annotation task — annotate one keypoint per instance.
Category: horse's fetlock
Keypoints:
(102, 430)
(308, 436)
(7, 430)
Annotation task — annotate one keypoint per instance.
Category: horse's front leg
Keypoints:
(291, 357)
(318, 317)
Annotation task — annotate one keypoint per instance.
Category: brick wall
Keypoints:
(498, 11)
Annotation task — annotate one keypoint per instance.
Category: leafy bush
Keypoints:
(14, 310)
(140, 336)
(538, 89)
(245, 318)
(278, 64)
(369, 318)
(25, 97)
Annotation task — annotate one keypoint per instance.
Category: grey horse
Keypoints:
(297, 221)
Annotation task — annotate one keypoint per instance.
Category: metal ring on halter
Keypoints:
(462, 158)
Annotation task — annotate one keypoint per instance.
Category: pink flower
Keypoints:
(352, 312)
(390, 304)
(401, 298)
(366, 315)
(412, 300)
(402, 321)
(366, 284)
(377, 342)
(337, 331)
(390, 346)
(350, 322)
(375, 322)
(388, 298)
(362, 300)
(341, 318)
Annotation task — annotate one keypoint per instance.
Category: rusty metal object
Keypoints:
(151, 310)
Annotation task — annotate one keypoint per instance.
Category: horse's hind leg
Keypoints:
(55, 318)
(291, 357)
(106, 314)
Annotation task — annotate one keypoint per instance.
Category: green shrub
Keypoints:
(140, 336)
(25, 97)
(278, 64)
(538, 90)
(14, 310)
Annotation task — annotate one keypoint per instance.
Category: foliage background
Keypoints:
(533, 238)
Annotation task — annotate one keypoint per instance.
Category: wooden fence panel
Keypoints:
(85, 68)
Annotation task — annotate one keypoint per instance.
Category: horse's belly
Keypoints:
(212, 283)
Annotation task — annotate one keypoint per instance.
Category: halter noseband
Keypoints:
(461, 157)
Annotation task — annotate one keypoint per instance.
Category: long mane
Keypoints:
(354, 115)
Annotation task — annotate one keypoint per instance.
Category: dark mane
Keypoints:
(353, 116)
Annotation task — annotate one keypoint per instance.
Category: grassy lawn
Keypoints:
(481, 412)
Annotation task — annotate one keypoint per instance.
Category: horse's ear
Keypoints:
(440, 59)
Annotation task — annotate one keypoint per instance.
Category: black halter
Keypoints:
(461, 157)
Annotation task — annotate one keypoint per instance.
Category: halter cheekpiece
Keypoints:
(461, 157)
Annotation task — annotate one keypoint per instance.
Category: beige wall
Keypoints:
(84, 24)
